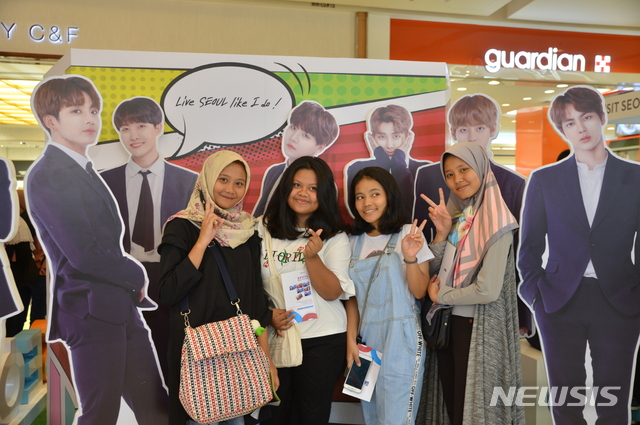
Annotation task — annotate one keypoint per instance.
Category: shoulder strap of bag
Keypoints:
(268, 241)
(374, 272)
(231, 290)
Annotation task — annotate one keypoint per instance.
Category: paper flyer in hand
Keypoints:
(299, 295)
(372, 373)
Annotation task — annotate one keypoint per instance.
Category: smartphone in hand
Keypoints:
(357, 375)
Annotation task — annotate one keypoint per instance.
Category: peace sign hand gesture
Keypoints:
(440, 217)
(413, 241)
(210, 224)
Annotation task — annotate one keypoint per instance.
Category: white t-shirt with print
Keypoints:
(373, 244)
(335, 254)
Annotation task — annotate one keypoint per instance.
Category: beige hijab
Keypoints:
(238, 224)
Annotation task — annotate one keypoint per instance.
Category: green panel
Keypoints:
(118, 84)
(343, 89)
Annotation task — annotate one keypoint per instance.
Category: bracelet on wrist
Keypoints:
(410, 262)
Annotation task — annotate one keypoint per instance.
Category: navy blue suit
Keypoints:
(8, 305)
(571, 310)
(268, 183)
(95, 291)
(177, 186)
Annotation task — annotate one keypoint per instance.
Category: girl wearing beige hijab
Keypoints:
(476, 227)
(214, 216)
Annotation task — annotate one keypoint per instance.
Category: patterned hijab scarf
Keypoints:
(479, 221)
(238, 224)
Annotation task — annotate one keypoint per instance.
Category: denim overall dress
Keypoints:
(390, 323)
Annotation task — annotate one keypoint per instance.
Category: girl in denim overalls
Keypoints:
(390, 268)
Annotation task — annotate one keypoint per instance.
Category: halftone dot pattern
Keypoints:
(343, 89)
(259, 155)
(262, 154)
(118, 84)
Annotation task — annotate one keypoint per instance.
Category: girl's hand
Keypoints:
(353, 354)
(274, 377)
(434, 288)
(314, 245)
(281, 320)
(210, 224)
(439, 214)
(413, 242)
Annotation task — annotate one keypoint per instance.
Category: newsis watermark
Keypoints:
(554, 396)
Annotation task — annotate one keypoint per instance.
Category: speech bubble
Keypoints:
(226, 104)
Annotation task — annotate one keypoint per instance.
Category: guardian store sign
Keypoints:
(550, 60)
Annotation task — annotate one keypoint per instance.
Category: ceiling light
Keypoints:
(461, 89)
(512, 113)
(494, 82)
(561, 86)
(526, 98)
(611, 128)
(15, 101)
(506, 104)
(549, 91)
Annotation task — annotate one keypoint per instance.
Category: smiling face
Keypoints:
(76, 127)
(371, 202)
(230, 186)
(583, 130)
(303, 199)
(389, 138)
(480, 134)
(461, 179)
(297, 143)
(140, 139)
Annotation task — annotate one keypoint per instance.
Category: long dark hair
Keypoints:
(281, 220)
(393, 216)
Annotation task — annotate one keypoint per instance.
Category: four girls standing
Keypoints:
(387, 260)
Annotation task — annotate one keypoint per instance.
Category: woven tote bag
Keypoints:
(224, 373)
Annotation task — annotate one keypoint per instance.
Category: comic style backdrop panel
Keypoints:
(242, 103)
(245, 104)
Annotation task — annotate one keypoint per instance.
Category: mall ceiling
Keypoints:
(610, 13)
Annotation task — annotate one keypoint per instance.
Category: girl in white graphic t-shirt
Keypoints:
(302, 231)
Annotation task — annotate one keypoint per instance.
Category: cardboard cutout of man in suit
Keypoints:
(472, 118)
(10, 303)
(96, 288)
(311, 131)
(389, 139)
(140, 123)
(587, 209)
